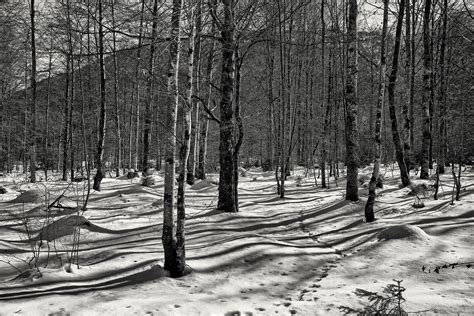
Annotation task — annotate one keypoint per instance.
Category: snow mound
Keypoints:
(203, 184)
(63, 227)
(403, 231)
(31, 196)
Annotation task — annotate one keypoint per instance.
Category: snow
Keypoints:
(305, 254)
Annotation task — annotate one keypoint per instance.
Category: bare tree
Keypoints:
(352, 130)
(226, 200)
(399, 150)
(426, 102)
(33, 94)
(369, 206)
(174, 245)
(102, 115)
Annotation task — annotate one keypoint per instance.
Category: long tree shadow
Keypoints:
(94, 283)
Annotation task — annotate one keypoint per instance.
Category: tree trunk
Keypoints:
(174, 247)
(118, 139)
(149, 93)
(409, 103)
(426, 100)
(137, 93)
(102, 118)
(323, 97)
(196, 88)
(443, 94)
(204, 126)
(240, 134)
(226, 200)
(33, 95)
(369, 206)
(352, 138)
(391, 99)
(66, 120)
(46, 127)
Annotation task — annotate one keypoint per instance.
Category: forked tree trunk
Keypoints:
(426, 100)
(352, 130)
(391, 100)
(102, 115)
(369, 206)
(174, 246)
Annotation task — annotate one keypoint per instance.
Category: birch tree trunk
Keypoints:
(194, 149)
(174, 247)
(369, 206)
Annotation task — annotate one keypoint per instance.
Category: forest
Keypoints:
(236, 157)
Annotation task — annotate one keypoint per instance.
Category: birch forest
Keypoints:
(236, 157)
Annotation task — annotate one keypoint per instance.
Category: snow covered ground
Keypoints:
(308, 254)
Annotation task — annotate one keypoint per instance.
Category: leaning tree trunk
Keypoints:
(102, 115)
(226, 200)
(33, 95)
(426, 100)
(369, 207)
(173, 245)
(352, 130)
(391, 100)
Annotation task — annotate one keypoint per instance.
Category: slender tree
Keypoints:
(443, 93)
(369, 206)
(118, 140)
(352, 130)
(174, 245)
(33, 94)
(426, 97)
(149, 91)
(399, 150)
(102, 114)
